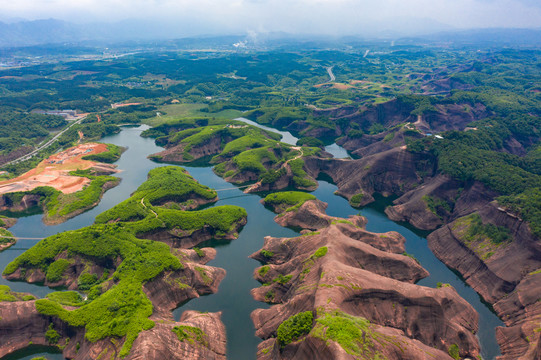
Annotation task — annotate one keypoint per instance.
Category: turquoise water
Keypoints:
(233, 297)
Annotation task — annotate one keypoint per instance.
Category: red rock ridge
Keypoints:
(361, 274)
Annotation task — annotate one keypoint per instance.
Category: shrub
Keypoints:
(56, 270)
(191, 334)
(86, 280)
(293, 328)
(267, 253)
(199, 252)
(51, 335)
(281, 279)
(322, 251)
(263, 270)
(356, 199)
(454, 351)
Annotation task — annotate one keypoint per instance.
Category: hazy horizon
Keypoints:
(325, 17)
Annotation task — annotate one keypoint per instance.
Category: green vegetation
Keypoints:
(440, 285)
(411, 256)
(67, 298)
(6, 237)
(199, 252)
(311, 260)
(206, 279)
(191, 334)
(437, 206)
(7, 295)
(58, 206)
(477, 155)
(299, 175)
(263, 270)
(353, 334)
(310, 141)
(294, 327)
(356, 199)
(281, 279)
(164, 184)
(322, 251)
(51, 335)
(483, 239)
(454, 351)
(86, 280)
(242, 149)
(19, 129)
(267, 253)
(110, 156)
(496, 234)
(117, 305)
(56, 270)
(287, 200)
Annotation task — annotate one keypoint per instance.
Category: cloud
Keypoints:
(296, 16)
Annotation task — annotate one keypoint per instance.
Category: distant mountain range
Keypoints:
(53, 31)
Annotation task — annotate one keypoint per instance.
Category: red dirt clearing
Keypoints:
(54, 171)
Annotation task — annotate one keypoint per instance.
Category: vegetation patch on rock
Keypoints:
(295, 327)
(287, 200)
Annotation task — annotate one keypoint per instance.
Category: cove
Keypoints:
(233, 297)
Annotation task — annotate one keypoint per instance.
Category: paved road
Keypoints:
(331, 75)
(44, 145)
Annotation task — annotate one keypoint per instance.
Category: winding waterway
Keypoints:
(233, 297)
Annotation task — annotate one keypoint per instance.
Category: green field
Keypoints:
(174, 112)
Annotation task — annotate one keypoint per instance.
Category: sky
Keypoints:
(333, 17)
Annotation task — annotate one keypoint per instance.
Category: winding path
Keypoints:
(331, 75)
(145, 207)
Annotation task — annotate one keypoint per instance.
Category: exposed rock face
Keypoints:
(343, 269)
(453, 117)
(521, 311)
(443, 117)
(395, 171)
(437, 201)
(311, 215)
(27, 202)
(162, 343)
(505, 277)
(174, 153)
(21, 324)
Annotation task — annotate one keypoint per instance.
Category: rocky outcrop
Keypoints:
(505, 275)
(344, 274)
(521, 311)
(439, 200)
(21, 325)
(311, 215)
(161, 342)
(26, 202)
(177, 153)
(206, 333)
(395, 171)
